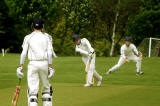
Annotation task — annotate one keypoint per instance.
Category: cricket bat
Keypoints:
(88, 64)
(16, 94)
(87, 68)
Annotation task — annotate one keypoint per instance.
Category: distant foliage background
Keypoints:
(92, 19)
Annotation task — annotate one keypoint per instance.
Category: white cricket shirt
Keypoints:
(38, 46)
(127, 51)
(84, 48)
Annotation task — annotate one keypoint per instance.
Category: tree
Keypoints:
(77, 14)
(6, 25)
(27, 10)
(76, 17)
(92, 19)
(114, 29)
(107, 12)
(23, 12)
(146, 23)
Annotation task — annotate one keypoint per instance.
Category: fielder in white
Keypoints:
(128, 52)
(39, 49)
(84, 48)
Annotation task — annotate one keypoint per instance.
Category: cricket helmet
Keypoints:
(127, 39)
(37, 24)
(75, 37)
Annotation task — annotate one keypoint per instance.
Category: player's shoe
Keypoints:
(100, 82)
(108, 72)
(87, 85)
(139, 73)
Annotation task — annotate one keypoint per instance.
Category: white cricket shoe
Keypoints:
(100, 82)
(139, 73)
(87, 85)
(108, 72)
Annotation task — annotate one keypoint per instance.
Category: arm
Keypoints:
(89, 46)
(23, 55)
(49, 52)
(81, 51)
(122, 52)
(50, 38)
(54, 54)
(24, 52)
(135, 50)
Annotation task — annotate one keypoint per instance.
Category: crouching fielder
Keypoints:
(128, 52)
(84, 48)
(39, 49)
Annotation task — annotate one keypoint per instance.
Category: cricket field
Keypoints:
(122, 88)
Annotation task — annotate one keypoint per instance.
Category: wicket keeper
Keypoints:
(128, 52)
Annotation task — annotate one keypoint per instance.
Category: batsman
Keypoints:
(83, 47)
(38, 46)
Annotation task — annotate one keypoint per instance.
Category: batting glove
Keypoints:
(19, 72)
(91, 54)
(51, 72)
(140, 54)
(126, 59)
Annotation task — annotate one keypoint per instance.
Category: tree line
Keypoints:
(103, 22)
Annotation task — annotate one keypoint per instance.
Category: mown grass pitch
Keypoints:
(122, 88)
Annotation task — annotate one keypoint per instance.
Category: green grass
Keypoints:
(122, 88)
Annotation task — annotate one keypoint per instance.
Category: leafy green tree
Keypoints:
(150, 4)
(105, 19)
(75, 16)
(77, 13)
(23, 12)
(27, 10)
(6, 25)
(146, 23)
(93, 19)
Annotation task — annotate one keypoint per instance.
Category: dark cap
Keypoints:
(37, 23)
(75, 37)
(127, 39)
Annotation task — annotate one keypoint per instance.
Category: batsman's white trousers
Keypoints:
(122, 61)
(38, 70)
(91, 72)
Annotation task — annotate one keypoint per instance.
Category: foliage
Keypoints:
(92, 19)
(77, 14)
(146, 23)
(6, 23)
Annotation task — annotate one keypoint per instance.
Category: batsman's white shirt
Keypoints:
(84, 49)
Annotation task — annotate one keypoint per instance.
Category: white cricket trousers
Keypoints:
(122, 61)
(91, 72)
(38, 70)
